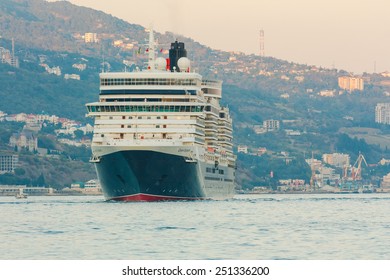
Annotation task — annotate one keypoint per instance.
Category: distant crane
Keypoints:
(356, 170)
(313, 179)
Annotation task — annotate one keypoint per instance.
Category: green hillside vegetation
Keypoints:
(47, 31)
(44, 171)
(51, 25)
(29, 92)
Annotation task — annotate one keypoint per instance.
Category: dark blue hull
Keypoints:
(148, 175)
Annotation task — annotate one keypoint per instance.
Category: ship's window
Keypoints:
(157, 126)
(130, 118)
(221, 172)
(158, 117)
(140, 118)
(110, 118)
(129, 126)
(149, 118)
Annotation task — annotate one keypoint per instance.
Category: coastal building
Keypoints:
(90, 38)
(259, 129)
(292, 182)
(271, 125)
(328, 176)
(351, 83)
(80, 66)
(384, 161)
(90, 187)
(11, 190)
(261, 151)
(385, 74)
(291, 132)
(314, 163)
(72, 76)
(285, 96)
(327, 93)
(386, 181)
(31, 118)
(8, 163)
(117, 43)
(382, 113)
(54, 70)
(336, 159)
(2, 116)
(242, 149)
(6, 56)
(25, 139)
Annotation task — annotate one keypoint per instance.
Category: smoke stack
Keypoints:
(176, 52)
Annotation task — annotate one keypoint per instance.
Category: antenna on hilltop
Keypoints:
(261, 35)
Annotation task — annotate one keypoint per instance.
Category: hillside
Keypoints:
(49, 35)
(52, 25)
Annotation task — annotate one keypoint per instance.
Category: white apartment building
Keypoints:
(386, 181)
(72, 76)
(90, 38)
(382, 113)
(328, 174)
(25, 139)
(8, 163)
(271, 125)
(242, 149)
(351, 83)
(336, 159)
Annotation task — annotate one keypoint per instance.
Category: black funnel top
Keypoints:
(175, 53)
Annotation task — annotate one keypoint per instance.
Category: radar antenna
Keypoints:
(151, 50)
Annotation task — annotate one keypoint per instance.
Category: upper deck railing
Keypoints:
(211, 83)
(148, 82)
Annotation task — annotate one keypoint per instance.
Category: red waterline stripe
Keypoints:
(151, 198)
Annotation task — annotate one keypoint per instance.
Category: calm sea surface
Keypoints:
(306, 227)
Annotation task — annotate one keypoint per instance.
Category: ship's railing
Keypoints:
(149, 81)
(185, 141)
(211, 83)
(143, 108)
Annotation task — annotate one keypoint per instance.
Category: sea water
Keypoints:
(271, 226)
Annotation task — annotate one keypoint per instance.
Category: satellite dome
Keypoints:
(161, 63)
(184, 64)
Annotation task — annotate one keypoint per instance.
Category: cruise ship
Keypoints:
(161, 133)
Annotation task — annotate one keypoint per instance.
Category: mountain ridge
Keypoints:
(252, 86)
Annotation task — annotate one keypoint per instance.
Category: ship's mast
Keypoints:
(151, 60)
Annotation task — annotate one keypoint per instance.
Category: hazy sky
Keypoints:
(349, 34)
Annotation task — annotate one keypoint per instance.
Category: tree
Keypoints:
(41, 181)
(79, 134)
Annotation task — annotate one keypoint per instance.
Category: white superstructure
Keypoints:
(164, 111)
